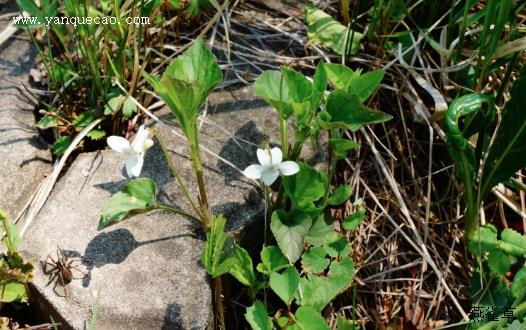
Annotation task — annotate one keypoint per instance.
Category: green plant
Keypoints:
(303, 231)
(15, 272)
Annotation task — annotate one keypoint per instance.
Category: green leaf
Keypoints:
(243, 269)
(517, 325)
(499, 262)
(48, 122)
(285, 284)
(290, 229)
(337, 245)
(339, 75)
(318, 291)
(13, 291)
(83, 120)
(513, 242)
(272, 260)
(305, 188)
(507, 155)
(218, 255)
(114, 105)
(13, 239)
(61, 145)
(322, 226)
(340, 195)
(186, 83)
(257, 317)
(128, 108)
(287, 90)
(341, 147)
(344, 324)
(519, 283)
(137, 196)
(484, 240)
(354, 82)
(314, 261)
(96, 134)
(322, 29)
(354, 220)
(346, 111)
(364, 85)
(308, 318)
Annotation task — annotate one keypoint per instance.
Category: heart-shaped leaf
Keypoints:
(345, 110)
(290, 229)
(243, 269)
(308, 318)
(322, 226)
(305, 188)
(272, 260)
(257, 317)
(314, 260)
(137, 196)
(285, 284)
(318, 291)
(340, 195)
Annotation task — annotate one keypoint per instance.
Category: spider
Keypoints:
(61, 271)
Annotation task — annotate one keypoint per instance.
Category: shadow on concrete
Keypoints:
(111, 248)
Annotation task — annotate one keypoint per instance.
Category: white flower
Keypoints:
(136, 149)
(271, 166)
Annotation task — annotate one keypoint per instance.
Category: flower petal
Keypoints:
(264, 157)
(269, 175)
(134, 166)
(118, 143)
(140, 140)
(253, 171)
(276, 155)
(288, 168)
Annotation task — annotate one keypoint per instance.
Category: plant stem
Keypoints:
(284, 139)
(206, 215)
(8, 233)
(178, 211)
(176, 173)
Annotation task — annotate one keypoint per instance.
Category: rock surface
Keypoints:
(147, 268)
(24, 158)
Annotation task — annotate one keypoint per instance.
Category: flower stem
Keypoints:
(284, 139)
(176, 174)
(178, 211)
(206, 215)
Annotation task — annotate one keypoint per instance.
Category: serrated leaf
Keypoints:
(243, 269)
(354, 220)
(13, 291)
(272, 260)
(512, 242)
(322, 29)
(61, 145)
(128, 108)
(340, 195)
(484, 240)
(218, 254)
(318, 291)
(519, 283)
(137, 196)
(96, 134)
(507, 155)
(285, 284)
(290, 229)
(499, 262)
(48, 122)
(322, 226)
(346, 111)
(337, 245)
(305, 188)
(308, 318)
(114, 105)
(257, 317)
(314, 260)
(341, 147)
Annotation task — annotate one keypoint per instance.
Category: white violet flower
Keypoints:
(136, 149)
(271, 165)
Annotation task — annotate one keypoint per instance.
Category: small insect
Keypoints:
(60, 271)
